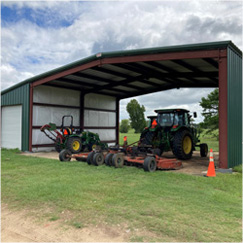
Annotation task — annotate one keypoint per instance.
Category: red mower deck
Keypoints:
(118, 159)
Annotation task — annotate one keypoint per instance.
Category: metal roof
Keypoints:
(135, 72)
(170, 110)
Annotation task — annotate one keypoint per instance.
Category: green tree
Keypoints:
(136, 114)
(124, 126)
(210, 106)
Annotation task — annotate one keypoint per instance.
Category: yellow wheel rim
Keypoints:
(94, 146)
(76, 145)
(187, 144)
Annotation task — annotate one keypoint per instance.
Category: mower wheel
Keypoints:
(90, 157)
(149, 164)
(203, 150)
(108, 159)
(98, 159)
(74, 144)
(64, 155)
(118, 160)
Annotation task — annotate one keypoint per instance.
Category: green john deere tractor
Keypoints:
(68, 138)
(172, 130)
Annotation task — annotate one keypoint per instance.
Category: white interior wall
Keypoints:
(58, 96)
(100, 101)
(100, 118)
(45, 114)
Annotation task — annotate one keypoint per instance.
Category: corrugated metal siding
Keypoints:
(234, 76)
(20, 96)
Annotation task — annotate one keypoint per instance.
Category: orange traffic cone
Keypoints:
(211, 167)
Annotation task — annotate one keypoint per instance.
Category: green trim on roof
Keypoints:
(146, 51)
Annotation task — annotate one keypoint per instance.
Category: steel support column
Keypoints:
(223, 140)
(30, 117)
(81, 120)
(117, 119)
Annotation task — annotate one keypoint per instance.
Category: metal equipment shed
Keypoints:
(91, 88)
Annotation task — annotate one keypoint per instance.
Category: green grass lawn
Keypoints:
(170, 206)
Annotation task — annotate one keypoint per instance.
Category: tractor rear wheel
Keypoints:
(108, 159)
(118, 160)
(90, 157)
(183, 145)
(98, 159)
(147, 138)
(65, 155)
(149, 164)
(203, 150)
(74, 144)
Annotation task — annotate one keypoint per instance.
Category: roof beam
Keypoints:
(124, 82)
(212, 62)
(171, 70)
(63, 86)
(167, 87)
(92, 77)
(91, 86)
(77, 82)
(134, 67)
(194, 69)
(103, 80)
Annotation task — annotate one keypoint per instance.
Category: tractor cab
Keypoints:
(174, 118)
(152, 120)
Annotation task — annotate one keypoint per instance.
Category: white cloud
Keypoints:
(29, 48)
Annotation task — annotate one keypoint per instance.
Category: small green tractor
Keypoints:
(68, 138)
(171, 130)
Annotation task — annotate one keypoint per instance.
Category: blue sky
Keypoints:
(39, 36)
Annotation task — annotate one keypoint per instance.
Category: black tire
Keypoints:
(108, 159)
(118, 160)
(148, 138)
(149, 164)
(74, 144)
(63, 155)
(183, 145)
(90, 157)
(203, 150)
(58, 146)
(98, 159)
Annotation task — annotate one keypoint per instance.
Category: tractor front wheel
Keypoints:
(182, 145)
(65, 155)
(203, 150)
(149, 164)
(74, 144)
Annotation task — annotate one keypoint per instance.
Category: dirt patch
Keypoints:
(18, 226)
(196, 166)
